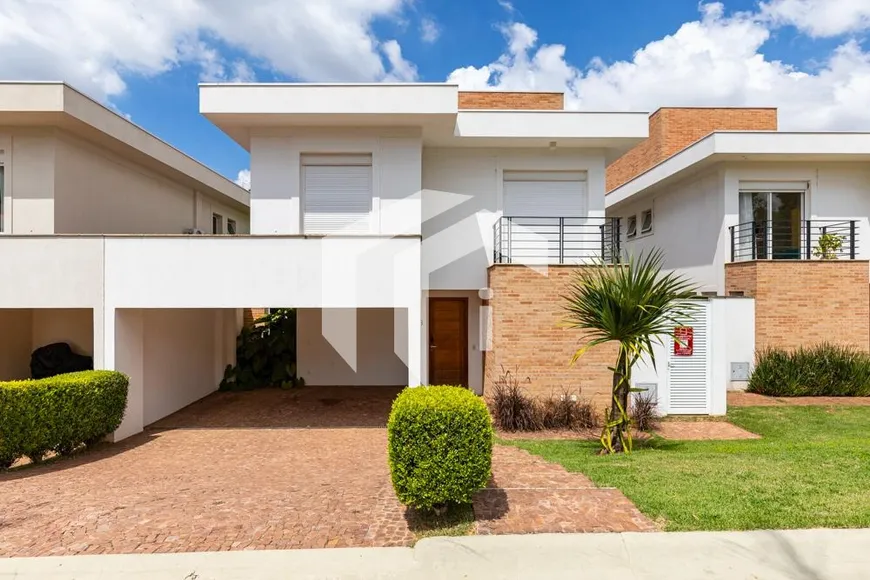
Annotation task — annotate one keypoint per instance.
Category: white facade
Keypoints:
(695, 195)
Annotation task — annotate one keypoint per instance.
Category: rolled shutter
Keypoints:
(337, 194)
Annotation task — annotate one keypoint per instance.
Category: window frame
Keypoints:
(631, 233)
(217, 224)
(649, 230)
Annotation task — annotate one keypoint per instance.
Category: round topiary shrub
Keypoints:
(440, 446)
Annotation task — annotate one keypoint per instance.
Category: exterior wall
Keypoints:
(529, 340)
(15, 343)
(180, 354)
(477, 324)
(511, 100)
(97, 191)
(57, 183)
(463, 199)
(359, 349)
(674, 129)
(800, 303)
(688, 227)
(71, 325)
(276, 203)
(30, 166)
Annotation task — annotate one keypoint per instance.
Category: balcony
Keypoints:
(794, 240)
(556, 240)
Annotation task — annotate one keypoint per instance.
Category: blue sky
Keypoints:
(144, 58)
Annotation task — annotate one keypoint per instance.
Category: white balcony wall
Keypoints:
(463, 197)
(276, 202)
(29, 166)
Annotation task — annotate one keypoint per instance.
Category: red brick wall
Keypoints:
(527, 312)
(252, 314)
(673, 129)
(805, 302)
(509, 100)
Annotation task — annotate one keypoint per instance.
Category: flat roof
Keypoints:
(57, 104)
(746, 146)
(432, 108)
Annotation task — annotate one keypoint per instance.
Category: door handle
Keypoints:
(432, 346)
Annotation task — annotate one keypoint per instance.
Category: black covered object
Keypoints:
(56, 359)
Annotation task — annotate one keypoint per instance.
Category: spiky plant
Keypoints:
(636, 305)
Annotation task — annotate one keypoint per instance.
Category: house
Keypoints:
(424, 235)
(80, 188)
(746, 210)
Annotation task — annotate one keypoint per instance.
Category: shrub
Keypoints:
(644, 412)
(565, 411)
(824, 370)
(59, 413)
(265, 354)
(440, 446)
(512, 409)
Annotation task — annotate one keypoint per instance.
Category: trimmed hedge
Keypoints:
(440, 446)
(824, 370)
(59, 413)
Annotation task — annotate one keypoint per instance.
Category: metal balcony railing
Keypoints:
(788, 240)
(555, 240)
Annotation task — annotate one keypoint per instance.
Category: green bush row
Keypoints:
(59, 413)
(824, 370)
(440, 446)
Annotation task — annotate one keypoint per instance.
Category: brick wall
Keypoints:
(673, 129)
(508, 100)
(252, 314)
(805, 302)
(527, 312)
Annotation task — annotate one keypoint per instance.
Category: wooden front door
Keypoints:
(448, 341)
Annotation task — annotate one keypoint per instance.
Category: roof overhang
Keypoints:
(240, 109)
(737, 146)
(57, 105)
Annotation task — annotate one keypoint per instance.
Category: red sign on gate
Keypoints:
(684, 338)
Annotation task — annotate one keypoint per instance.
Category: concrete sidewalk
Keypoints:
(775, 555)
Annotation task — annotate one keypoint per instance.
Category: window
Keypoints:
(231, 227)
(217, 223)
(631, 227)
(646, 221)
(545, 194)
(337, 194)
(771, 220)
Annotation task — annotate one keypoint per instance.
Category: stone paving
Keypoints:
(270, 469)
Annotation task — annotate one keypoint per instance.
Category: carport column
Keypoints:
(124, 340)
(415, 332)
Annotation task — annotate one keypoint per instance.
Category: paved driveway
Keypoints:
(270, 469)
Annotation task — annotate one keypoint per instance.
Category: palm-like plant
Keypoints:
(636, 305)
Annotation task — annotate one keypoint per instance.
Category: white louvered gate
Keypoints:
(689, 377)
(337, 194)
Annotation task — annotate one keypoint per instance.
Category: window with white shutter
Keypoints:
(337, 194)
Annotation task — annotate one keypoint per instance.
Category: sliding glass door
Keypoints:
(774, 219)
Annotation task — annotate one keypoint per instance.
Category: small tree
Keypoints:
(636, 305)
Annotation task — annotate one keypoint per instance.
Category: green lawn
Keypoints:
(811, 469)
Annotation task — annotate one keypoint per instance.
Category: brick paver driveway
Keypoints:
(270, 469)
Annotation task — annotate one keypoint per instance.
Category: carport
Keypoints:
(23, 330)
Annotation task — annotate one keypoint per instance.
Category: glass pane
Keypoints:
(2, 176)
(754, 225)
(785, 215)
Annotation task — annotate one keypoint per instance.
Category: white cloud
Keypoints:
(94, 44)
(507, 6)
(716, 60)
(401, 69)
(244, 179)
(429, 30)
(820, 18)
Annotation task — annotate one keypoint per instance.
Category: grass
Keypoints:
(457, 521)
(810, 469)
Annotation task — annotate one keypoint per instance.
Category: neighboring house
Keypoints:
(76, 178)
(745, 210)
